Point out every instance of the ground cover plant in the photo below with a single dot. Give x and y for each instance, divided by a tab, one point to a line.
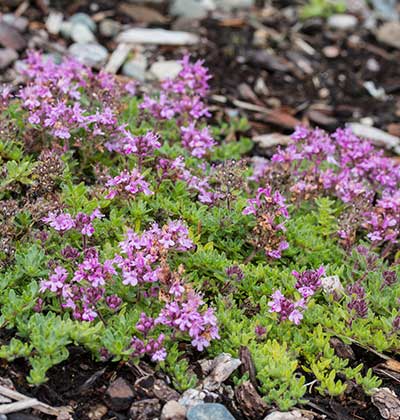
133	229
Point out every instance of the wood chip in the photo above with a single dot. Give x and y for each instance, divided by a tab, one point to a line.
387	403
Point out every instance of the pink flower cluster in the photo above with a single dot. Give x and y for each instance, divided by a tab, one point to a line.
269	209
128	144
185	314
349	168
143	253
53	93
308	282
63	222
177	169
127	182
182	98
85	289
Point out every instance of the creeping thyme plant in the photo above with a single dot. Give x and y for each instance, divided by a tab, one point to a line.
133	229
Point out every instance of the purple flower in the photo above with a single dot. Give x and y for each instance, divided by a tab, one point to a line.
56	281
61	222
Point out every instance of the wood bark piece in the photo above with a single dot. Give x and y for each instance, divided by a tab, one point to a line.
250	402
386	401
62	413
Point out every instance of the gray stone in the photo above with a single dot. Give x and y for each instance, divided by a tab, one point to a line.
83	19
291	415
162	70
81	34
136	68
18	22
10	37
389	34
265	141
66	29
7	56
224	366
91	54
332	284
145	409
386	8
172	410
109	28
192	9
342	22
157	36
54	22
234	4
208	411
117	58
119	395
192	397
377	136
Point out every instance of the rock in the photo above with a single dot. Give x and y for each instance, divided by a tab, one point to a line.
18	22
291	415
162	70
331	51
332	284
142	13
157	36
322	118
117	58
372	65
119	395
208	411
83	19
54	22
66	29
98	412
389	34
91	54
224	366
377	136
7	56
265	141
387	403
192	9
10	37
234	4
150	387
250	402
342	22
192	397
136	68
109	28
81	34
386	8
172	410
394	129
145	409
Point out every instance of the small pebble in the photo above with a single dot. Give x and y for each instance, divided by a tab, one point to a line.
83	19
109	28
136	68
81	34
342	22
7	56
91	54
162	70
208	411
54	22
331	51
